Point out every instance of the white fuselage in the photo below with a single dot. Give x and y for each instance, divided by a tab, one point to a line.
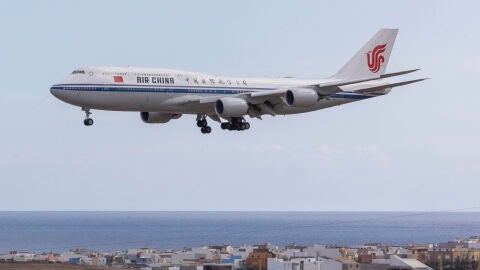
164	90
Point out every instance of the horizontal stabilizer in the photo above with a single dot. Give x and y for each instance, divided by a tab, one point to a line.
342	82
393	74
390	85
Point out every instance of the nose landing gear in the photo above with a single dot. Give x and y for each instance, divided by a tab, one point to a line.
88	121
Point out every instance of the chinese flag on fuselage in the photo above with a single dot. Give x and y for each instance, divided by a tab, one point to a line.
118	79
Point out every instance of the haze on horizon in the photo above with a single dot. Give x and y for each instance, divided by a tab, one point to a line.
416	149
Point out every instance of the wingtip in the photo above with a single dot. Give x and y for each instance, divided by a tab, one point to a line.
414	70
420	80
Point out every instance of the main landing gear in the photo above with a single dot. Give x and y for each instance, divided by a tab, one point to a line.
203	125
237	123
88	121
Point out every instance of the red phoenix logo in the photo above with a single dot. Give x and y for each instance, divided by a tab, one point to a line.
375	58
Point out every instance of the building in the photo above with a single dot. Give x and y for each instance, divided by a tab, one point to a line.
320	263
397	263
217	266
257	260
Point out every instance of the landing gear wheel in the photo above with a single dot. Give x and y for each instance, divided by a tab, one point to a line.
236	123
226	125
206	130
202	123
88	122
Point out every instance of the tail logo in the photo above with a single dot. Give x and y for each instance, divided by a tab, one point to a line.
375	58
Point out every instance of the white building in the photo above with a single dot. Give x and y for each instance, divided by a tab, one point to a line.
279	264
304	264
242	251
398	262
323	251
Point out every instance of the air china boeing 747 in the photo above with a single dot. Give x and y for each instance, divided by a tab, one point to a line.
163	94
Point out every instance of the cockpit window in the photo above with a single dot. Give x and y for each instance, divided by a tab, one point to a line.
78	72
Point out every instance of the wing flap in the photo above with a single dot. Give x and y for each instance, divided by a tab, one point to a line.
274	96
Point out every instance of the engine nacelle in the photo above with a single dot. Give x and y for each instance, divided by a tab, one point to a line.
231	107
156	117
301	97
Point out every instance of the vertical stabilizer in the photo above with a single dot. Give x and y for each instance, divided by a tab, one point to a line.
372	58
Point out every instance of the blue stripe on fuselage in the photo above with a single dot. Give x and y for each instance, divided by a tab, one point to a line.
179	89
165	86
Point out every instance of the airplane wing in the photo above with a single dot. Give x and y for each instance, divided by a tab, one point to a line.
251	97
275	96
265	101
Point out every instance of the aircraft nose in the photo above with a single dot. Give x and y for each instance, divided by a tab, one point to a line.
58	92
54	91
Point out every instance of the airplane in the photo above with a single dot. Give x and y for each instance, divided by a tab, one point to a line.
161	95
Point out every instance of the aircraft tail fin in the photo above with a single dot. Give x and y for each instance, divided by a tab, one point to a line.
372	58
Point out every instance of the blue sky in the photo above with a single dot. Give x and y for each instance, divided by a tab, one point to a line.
415	149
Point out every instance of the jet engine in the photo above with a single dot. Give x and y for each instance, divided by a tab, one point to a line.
231	107
156	117
301	97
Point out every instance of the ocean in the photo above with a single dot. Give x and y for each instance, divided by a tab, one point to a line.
117	231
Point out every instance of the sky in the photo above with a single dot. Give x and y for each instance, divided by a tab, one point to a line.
416	149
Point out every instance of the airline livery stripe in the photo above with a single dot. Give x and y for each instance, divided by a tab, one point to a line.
110	88
149	90
166	86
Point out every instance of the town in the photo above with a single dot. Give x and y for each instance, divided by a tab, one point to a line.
456	254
